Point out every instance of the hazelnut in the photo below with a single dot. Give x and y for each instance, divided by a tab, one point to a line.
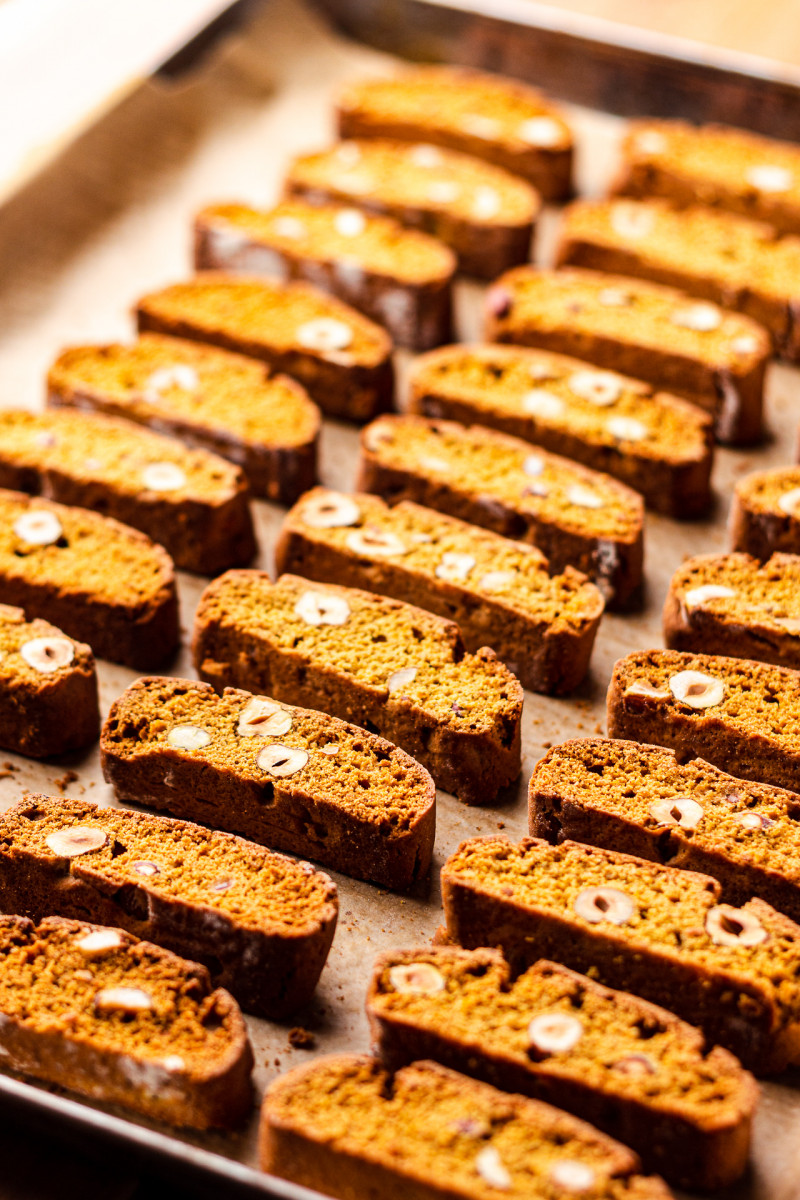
583	497
709	591
650	141
598	387
635	1065
331	749
640	688
350	222
99	942
496	581
399	679
375	543
324	334
454	566
627	429
146	868
728	926
541	403
173	1063
684	812
416	979
289	227
123	999
604	904
745	344
181	376
697	690
533	465
554	1033
489	1166
540	131
188	737
78	839
263	718
541	370
221	885
322	608
429	462
163	477
572	1176
498	301
480	126
38	527
702	318
754	820
424	155
766	177
443	191
613	297
789	502
281	760
486	203
329	511
48	654
631	220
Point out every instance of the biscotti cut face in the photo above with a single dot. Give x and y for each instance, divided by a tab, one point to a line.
48	688
741	264
339	356
657	444
711	356
575	516
260	922
345	1126
98	580
628	1067
209	398
642	800
500	120
738	714
121	1021
497	591
399	277
484	214
714	164
735	605
194	503
385	665
765	513
656	931
285	777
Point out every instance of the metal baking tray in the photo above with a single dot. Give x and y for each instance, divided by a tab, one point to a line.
84	262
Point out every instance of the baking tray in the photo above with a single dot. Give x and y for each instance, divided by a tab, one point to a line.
72	260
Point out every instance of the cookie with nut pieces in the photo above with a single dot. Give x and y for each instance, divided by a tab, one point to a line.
765	512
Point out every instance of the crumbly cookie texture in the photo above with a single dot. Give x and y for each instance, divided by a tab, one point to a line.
622	795
264	921
343	1123
657	444
709	355
390	666
210	398
497	590
577	517
286	777
122	1021
501	120
613	1059
765	512
656	931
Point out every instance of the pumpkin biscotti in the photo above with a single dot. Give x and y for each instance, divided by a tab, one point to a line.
345	1126
498	592
399	277
262	922
191	501
485	215
48	688
765	512
643	800
575	516
657	444
118	1020
340	357
630	1068
712	356
729	168
286	777
733	712
98	580
733	604
209	398
388	666
657	931
492	117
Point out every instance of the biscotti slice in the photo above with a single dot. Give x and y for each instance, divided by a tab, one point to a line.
500	120
194	503
98	580
733	604
765	513
388	666
484	214
285	777
741	264
497	591
657	444
630	1068
736	713
656	931
575	516
48	688
121	1021
712	356
260	922
643	800
399	277
341	358
714	164
209	398
343	1125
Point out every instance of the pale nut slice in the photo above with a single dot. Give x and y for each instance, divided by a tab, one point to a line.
572	1176
729	926
650	141
163	477
180	376
330	511
375	543
492	1170
598	904
789	502
48	654
683	811
481	126
627	429
321	608
614	297
416	979
702	318
425	155
486	203
753	820
399	679
533	465
635	1065
640	688
99	942
350	222
454	566
541	403
540	131
744	344
325	334
38	527
188	737
143	867
598	387
583	497
79	839
708	591
766	177
282	760
631	220
697	690
554	1033
443	191
129	1000
289	227
496	581
263	718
